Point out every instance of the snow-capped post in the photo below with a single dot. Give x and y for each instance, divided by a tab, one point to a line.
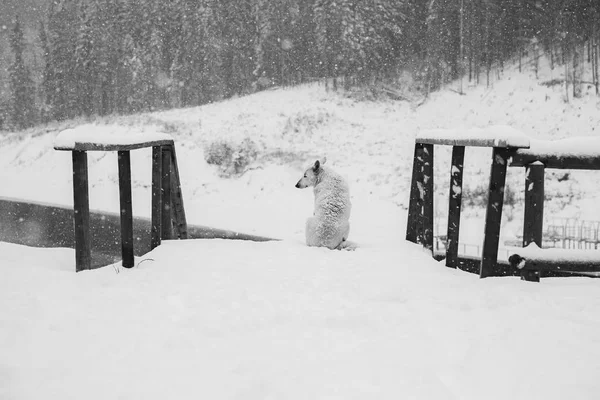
413	222
534	213
493	215
81	211
454	205
167	225
427	197
156	197
124	161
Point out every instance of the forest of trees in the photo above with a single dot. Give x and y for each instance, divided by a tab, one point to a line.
124	56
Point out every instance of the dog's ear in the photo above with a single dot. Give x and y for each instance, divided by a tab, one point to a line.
316	166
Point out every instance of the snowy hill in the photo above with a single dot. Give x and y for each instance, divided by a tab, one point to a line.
368	142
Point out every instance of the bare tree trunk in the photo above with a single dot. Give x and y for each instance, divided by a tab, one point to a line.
462	57
592	56
595	39
551	56
578	64
536	59
566	64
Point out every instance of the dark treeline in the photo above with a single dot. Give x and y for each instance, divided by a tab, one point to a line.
124	56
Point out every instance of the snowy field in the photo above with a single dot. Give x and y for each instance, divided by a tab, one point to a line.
240	320
221	319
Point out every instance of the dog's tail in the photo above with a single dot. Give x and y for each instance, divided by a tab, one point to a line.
347	245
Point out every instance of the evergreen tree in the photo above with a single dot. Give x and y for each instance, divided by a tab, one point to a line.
47	80
21	85
62	34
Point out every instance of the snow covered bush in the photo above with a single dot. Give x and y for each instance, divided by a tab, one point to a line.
305	122
231	159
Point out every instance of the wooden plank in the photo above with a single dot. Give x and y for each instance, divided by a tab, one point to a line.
156	196
177	198
81	211
522	159
534	213
126	208
536	259
167	220
472	142
489	136
493	215
91	146
454	205
427	203
414	207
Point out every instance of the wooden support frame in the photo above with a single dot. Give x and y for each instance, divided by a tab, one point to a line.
81	211
167	199
493	215
529	262
454	205
534	213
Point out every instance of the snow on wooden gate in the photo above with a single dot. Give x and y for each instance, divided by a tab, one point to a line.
167	202
510	148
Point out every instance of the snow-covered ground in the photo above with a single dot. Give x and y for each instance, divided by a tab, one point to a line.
222	319
227	319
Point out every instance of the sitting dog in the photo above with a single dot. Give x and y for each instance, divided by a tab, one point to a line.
329	226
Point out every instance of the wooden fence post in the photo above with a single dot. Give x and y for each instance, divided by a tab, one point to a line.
126	208
427	199
493	215
81	213
455	201
177	199
534	212
167	224
156	196
414	206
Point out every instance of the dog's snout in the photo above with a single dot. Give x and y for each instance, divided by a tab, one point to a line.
298	184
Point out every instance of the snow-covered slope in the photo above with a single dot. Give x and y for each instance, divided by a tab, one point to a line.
368	142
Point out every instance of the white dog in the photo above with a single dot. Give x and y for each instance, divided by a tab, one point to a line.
329	226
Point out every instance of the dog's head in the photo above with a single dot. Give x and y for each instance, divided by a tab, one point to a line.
310	175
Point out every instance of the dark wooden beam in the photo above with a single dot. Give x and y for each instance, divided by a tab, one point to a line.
523	158
156	196
414	206
568	261
177	198
126	208
81	212
90	146
167	220
428	215
493	215
454	207
533	225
